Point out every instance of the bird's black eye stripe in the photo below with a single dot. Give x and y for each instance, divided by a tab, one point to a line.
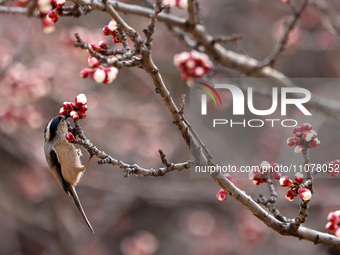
54	125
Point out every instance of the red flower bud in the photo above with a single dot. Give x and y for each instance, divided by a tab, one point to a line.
112	25
297	130
82	116
53	16
59	3
314	143
275	175
68	106
298	178
192	65
70	137
86	72
257	178
290	195
298	134
92	61
334	217
48	26
95	47
99	75
82	110
286	182
292	141
221	195
182	4
111	74
81	100
299	148
62	111
305	194
74	115
334	168
336	162
306	127
331	227
333	222
107	31
103	45
116	37
309	135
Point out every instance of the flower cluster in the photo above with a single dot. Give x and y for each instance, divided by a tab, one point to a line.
333	223
112	29
295	188
222	194
263	172
192	64
181	4
99	74
75	110
100	48
50	10
305	137
333	167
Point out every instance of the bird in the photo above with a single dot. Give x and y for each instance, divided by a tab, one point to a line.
64	160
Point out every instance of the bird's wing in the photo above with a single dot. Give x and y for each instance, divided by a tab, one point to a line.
68	188
56	171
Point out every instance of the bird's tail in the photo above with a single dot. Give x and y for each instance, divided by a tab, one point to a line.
80	208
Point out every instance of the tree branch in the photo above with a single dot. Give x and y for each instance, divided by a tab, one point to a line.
280	227
288	28
192	12
128	168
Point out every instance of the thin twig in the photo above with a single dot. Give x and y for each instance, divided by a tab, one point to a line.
288	28
272	208
308	170
122	58
163	158
192	12
228	38
303	213
158	8
183	104
301	218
